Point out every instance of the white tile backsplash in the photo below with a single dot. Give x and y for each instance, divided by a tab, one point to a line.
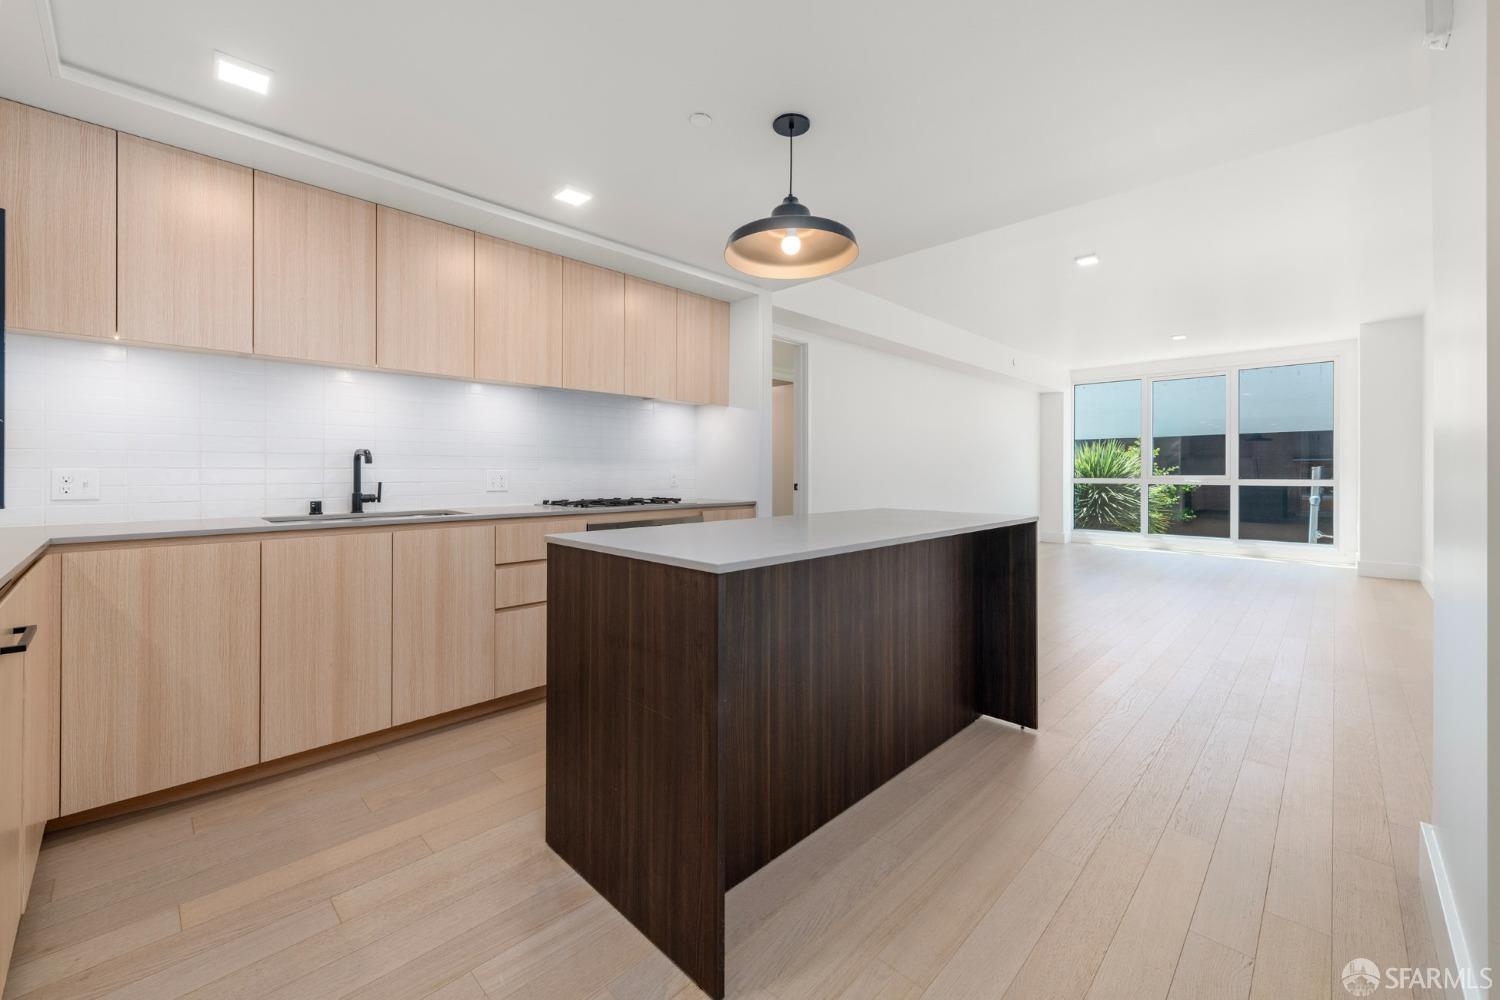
175	434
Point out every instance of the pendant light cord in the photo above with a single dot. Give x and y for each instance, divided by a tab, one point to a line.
790	151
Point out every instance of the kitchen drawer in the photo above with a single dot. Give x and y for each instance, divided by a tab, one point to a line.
520	583
520	649
524	539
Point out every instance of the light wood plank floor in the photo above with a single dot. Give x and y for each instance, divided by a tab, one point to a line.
1222	802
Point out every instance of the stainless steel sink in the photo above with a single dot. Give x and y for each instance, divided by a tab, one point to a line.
369	515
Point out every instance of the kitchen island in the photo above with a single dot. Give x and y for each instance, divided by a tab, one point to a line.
717	692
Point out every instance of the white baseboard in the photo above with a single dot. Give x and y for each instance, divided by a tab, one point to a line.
1051	536
1389	571
1442	914
1427	582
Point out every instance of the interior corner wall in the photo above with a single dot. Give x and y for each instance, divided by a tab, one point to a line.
1458	855
1051	526
889	431
1391	445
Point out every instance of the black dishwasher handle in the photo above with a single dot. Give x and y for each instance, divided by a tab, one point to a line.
26	633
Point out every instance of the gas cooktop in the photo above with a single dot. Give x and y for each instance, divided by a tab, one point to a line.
612	502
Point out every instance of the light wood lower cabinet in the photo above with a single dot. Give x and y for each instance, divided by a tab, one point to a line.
520	583
443	635
524	539
161	679
38	600
325	640
520	649
728	513
12	783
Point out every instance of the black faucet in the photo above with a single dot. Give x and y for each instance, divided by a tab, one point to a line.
360	497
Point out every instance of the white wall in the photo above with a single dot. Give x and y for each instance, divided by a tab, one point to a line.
176	434
1391	449
1056	443
1463	85
888	431
734	441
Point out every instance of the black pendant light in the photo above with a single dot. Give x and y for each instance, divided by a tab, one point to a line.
791	242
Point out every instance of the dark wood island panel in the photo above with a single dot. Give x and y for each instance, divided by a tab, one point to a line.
700	724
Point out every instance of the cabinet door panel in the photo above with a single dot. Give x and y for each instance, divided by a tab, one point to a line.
37	600
593	328
425	295
160	668
12	782
520	583
325	640
517	313
702	349
186	248
314	273
650	339
520	649
524	539
728	513
57	186
443	635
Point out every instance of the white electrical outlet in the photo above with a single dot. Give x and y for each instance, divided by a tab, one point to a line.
497	481
672	480
75	484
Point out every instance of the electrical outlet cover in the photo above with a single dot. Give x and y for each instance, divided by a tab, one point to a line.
75	484
497	481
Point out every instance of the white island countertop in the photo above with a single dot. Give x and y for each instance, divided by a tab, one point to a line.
731	546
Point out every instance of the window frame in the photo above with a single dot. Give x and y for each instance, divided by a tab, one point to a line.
1148	377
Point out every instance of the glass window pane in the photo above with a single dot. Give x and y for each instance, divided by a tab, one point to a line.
1286	422
1183	509
1107	430
1107	507
1188	423
1287	514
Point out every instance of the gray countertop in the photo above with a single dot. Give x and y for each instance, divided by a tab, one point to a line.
21	546
730	546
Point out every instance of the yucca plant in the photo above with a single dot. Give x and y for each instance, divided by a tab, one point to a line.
1118	505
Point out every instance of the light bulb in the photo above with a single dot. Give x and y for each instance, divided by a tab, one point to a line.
791	243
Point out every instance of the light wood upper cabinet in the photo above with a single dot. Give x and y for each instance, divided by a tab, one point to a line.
425	295
314	273
161	668
57	186
650	339
517	313
36	600
443	631
593	328
325	640
186	248
702	349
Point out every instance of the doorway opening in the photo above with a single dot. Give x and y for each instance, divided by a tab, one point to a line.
788	428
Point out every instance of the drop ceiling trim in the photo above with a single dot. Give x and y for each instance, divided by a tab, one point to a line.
604	251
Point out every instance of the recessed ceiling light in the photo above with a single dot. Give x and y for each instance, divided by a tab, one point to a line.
1179	336
700	119
570	195
241	74
1086	260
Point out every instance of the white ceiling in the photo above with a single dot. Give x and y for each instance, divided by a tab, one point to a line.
1299	245
931	121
